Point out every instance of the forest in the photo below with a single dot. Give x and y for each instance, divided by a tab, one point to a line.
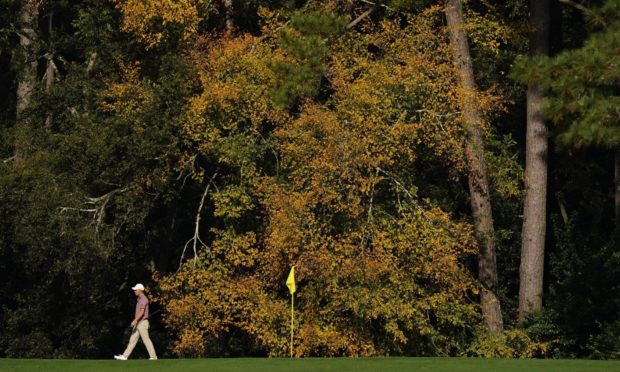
444	175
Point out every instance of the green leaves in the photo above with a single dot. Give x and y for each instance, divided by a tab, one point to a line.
317	23
305	44
582	84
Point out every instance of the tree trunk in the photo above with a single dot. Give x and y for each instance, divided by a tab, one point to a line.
478	180
534	209
230	24
28	17
50	72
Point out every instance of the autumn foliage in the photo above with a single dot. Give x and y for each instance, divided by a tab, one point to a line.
318	173
205	147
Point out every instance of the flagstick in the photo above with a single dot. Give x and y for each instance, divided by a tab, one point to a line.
290	283
292	320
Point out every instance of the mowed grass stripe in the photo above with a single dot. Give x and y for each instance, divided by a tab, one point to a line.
309	364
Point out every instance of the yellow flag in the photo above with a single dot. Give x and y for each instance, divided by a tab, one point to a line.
290	281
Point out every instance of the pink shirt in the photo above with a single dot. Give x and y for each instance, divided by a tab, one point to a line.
143	303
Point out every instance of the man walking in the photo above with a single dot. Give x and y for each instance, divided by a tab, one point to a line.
140	326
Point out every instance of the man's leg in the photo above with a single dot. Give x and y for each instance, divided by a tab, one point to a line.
133	340
143	328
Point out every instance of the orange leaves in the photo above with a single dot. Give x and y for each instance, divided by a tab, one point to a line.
325	158
327	341
379	271
403	88
208	304
238	250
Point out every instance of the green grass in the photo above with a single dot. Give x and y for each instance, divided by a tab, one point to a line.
313	364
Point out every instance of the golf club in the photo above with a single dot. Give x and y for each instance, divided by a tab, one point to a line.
150	315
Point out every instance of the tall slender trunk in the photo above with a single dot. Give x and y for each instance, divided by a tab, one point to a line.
50	72
230	24
478	179
28	17
534	209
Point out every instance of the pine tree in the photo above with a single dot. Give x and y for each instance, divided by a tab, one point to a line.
582	83
535	203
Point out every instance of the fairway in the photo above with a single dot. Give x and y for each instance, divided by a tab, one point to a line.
310	364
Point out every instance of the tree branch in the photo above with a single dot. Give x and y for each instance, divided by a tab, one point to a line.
196	238
91	62
360	18
98	207
438	117
397	182
352	24
376	4
8	159
576	5
372	194
87	210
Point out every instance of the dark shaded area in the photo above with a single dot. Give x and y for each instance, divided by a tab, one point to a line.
66	270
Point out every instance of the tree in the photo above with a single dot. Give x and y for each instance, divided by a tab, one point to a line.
535	203
581	101
381	270
477	172
28	19
90	209
581	84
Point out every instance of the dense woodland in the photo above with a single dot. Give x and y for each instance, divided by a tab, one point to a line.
443	175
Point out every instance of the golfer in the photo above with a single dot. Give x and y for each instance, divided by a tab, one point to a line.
140	326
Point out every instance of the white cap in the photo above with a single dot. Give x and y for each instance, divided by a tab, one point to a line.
138	286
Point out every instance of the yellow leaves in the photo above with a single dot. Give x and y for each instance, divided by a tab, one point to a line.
332	341
190	343
292	229
236	249
148	19
206	304
129	97
409	94
271	22
373	262
235	98
488	31
35	3
325	158
505	172
512	343
232	202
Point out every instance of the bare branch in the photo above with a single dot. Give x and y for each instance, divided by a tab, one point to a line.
352	24
372	194
9	159
376	4
87	210
438	117
91	62
360	18
196	238
191	160
184	170
105	197
98	207
397	182
576	5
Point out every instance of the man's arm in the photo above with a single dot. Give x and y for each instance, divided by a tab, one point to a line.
138	317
